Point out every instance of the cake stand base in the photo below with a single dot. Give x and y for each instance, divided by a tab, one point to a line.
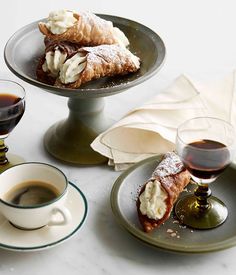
69	140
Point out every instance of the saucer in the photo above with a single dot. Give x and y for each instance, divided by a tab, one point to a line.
46	237
184	240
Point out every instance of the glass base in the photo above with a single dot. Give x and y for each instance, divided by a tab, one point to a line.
12	160
188	212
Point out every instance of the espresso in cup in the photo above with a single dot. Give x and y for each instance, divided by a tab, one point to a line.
33	195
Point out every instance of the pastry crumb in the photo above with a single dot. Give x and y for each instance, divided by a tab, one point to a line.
173	233
182	226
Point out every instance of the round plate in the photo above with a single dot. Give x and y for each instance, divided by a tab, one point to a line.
12	238
123	201
24	48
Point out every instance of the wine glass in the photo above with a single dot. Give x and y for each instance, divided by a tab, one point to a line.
206	146
12	107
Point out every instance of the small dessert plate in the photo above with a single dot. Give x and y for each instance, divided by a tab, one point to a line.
12	238
173	236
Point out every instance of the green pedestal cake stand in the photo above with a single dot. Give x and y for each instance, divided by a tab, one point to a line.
69	140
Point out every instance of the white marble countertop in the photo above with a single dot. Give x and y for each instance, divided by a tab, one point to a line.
201	42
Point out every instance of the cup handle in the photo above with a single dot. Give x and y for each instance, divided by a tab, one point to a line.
64	212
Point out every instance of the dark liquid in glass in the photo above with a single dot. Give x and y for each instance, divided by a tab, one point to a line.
10	114
206	159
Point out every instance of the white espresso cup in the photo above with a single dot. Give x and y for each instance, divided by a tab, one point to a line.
52	212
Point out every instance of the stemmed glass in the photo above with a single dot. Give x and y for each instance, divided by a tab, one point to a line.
206	147
12	107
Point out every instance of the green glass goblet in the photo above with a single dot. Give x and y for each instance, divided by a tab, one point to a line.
12	107
206	147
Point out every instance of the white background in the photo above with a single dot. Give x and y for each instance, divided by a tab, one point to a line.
200	38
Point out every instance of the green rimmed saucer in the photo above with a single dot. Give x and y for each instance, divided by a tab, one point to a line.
12	238
123	202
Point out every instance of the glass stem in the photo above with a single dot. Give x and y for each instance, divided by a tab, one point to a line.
202	193
3	151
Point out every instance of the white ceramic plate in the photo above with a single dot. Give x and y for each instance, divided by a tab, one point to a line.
15	239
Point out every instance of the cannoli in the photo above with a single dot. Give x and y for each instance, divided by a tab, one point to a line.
95	62
84	28
158	195
56	53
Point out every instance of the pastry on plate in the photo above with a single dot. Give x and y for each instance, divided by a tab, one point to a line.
158	195
84	28
56	53
91	63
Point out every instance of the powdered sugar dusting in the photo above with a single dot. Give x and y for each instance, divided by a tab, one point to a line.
170	165
113	54
91	19
101	30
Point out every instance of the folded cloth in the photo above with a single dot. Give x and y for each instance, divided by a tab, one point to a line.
151	129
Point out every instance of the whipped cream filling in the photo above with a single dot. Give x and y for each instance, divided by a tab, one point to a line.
53	61
71	69
152	200
59	21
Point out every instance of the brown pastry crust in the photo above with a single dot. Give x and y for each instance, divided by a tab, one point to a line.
88	30
173	182
64	46
104	60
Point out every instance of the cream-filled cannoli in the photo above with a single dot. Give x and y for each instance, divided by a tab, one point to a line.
158	195
84	28
91	63
56	53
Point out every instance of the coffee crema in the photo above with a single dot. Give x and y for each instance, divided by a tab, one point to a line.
31	193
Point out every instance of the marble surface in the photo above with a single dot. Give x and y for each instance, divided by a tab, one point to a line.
201	42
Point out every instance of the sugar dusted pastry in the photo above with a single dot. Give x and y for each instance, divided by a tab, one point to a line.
95	62
158	195
56	53
84	28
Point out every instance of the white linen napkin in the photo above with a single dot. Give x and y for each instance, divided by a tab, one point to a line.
151	129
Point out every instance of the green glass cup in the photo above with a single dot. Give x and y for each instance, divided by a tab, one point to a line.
12	107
